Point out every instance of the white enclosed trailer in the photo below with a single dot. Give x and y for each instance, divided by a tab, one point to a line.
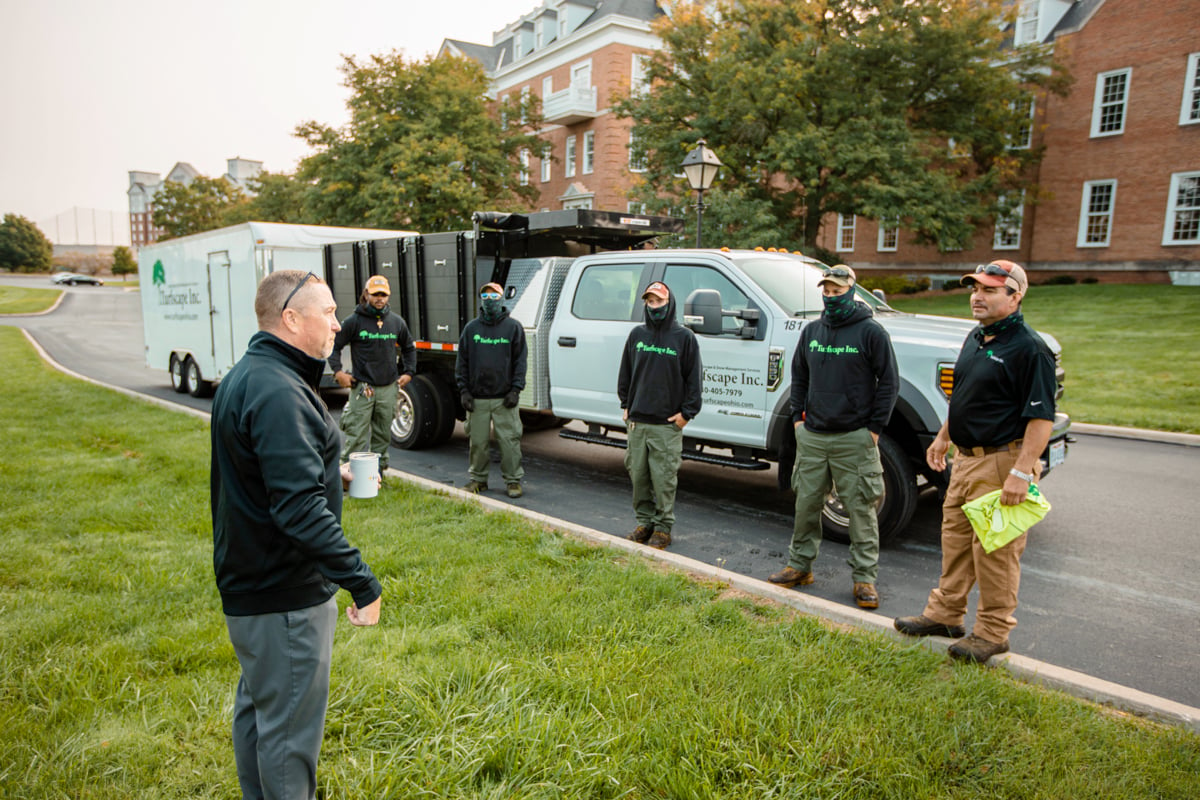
198	292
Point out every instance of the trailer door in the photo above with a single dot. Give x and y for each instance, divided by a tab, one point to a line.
220	316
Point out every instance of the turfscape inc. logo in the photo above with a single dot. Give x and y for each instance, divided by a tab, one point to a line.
174	298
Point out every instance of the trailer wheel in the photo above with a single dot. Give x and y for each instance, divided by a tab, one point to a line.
179	378
415	423
894	509
197	386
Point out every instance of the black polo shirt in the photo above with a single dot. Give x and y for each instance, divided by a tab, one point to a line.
999	386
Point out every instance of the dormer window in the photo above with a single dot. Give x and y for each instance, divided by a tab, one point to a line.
1027	22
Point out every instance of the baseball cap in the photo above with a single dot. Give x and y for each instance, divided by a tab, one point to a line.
839	274
378	283
999	273
657	289
491	287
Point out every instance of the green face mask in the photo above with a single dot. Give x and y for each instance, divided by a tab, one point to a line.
658	314
839	307
490	310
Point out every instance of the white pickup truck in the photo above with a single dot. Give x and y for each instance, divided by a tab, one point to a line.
747	308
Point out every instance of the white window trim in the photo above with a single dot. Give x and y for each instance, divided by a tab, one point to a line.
632	166
1081	236
1172	209
1191	89
1016	216
638	67
886	225
842	228
1099	96
1016	141
569	161
547	87
547	164
589	153
524	175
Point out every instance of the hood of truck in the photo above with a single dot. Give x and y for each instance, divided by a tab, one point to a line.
931	331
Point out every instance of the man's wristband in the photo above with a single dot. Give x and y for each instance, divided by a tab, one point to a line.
1025	476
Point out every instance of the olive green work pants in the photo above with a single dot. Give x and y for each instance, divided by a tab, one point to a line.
652	459
488	414
367	420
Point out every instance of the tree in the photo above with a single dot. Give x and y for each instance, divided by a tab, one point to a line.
23	247
275	197
123	263
422	149
181	209
890	109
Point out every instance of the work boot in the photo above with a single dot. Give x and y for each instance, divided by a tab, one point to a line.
922	625
640	534
972	648
660	540
865	595
788	577
514	489
475	487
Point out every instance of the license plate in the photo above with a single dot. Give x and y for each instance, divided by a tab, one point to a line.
1058	452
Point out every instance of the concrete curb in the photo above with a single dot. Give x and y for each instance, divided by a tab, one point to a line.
1021	667
1141	434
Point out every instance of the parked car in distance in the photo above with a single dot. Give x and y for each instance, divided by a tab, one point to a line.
74	279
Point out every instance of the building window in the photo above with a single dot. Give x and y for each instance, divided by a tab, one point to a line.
637	156
524	177
1096	213
547	87
845	233
1022	138
541	34
1027	23
1189	114
889	235
546	164
638	81
1108	110
1008	222
1183	210
525	105
634	207
589	152
570	159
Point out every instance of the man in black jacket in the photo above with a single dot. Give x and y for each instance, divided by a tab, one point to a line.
279	551
844	387
383	360
659	386
490	374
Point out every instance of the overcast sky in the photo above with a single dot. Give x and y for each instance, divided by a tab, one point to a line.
91	90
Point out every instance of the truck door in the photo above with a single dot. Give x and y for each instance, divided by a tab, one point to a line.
220	304
735	368
587	337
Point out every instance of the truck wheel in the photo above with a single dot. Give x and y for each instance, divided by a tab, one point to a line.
416	419
533	421
445	403
179	379
197	386
895	508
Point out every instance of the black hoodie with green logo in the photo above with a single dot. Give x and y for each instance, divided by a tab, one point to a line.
661	373
844	374
492	357
381	348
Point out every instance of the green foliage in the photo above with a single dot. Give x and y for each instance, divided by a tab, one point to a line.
181	209
123	263
276	198
23	247
841	106
509	660
422	150
896	284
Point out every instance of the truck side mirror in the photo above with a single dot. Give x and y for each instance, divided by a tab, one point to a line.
702	311
880	294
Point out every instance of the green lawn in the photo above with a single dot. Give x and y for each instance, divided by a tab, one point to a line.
1130	351
24	300
510	662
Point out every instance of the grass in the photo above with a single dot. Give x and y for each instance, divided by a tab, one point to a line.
23	300
510	662
1129	350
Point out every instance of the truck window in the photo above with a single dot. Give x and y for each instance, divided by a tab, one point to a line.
607	291
683	279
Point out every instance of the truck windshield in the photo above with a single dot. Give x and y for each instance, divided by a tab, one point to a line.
791	281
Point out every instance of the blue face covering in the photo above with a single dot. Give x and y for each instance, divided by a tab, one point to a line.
839	307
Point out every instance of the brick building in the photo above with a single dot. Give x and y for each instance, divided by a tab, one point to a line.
144	186
1118	187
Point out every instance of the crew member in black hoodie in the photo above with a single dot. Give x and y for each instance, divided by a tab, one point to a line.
490	373
659	386
383	359
844	387
279	551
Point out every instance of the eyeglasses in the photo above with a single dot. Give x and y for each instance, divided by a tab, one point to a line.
993	269
836	272
299	286
489	296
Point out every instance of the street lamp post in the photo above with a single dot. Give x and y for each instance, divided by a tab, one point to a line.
700	166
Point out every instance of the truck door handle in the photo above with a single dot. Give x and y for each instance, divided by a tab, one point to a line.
566	341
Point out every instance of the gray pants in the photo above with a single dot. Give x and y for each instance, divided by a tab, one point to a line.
491	413
652	459
279	710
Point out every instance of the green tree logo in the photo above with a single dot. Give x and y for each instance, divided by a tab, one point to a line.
159	276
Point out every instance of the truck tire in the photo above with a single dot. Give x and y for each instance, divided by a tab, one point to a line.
179	378
415	424
197	386
445	403
533	421
895	508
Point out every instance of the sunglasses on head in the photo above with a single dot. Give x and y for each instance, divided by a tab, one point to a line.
836	272
993	269
489	295
299	286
